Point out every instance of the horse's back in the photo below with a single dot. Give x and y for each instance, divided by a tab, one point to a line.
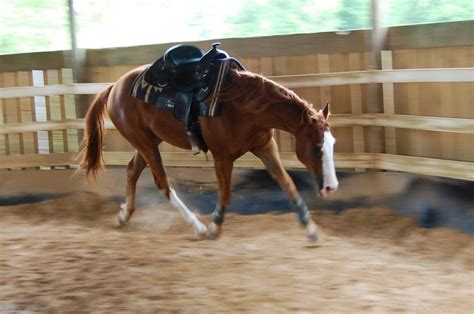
123	84
120	105
132	116
120	94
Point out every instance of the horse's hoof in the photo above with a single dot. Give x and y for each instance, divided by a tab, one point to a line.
123	217
215	231
313	232
202	232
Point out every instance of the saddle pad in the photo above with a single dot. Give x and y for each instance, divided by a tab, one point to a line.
165	98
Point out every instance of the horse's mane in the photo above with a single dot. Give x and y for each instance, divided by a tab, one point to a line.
255	93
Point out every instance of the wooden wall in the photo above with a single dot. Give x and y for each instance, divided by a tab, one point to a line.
270	56
451	100
344	99
43	108
419	46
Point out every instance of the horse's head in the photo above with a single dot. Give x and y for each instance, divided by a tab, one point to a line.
315	147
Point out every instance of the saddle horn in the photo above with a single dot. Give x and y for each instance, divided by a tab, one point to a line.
213	53
205	64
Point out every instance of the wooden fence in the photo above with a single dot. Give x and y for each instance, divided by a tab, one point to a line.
414	115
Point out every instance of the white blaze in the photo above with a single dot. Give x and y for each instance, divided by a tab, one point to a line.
329	170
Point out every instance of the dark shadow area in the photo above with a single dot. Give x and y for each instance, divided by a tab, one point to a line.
29	198
438	203
433	202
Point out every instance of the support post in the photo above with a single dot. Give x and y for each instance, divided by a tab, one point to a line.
76	59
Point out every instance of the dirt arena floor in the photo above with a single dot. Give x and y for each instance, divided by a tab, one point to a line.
69	255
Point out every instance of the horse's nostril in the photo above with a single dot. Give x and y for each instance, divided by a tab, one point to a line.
328	189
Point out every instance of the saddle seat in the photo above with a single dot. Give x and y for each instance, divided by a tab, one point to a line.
180	55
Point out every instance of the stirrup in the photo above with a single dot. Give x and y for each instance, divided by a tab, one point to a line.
194	146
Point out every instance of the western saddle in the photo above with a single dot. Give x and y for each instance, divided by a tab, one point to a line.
186	77
184	67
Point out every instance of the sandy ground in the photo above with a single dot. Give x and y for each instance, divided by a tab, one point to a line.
69	254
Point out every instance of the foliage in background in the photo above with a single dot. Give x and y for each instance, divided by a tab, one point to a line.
41	25
33	25
403	12
273	17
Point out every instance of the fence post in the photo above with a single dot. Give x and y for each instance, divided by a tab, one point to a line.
70	112
28	114
388	104
323	63
356	108
11	114
3	138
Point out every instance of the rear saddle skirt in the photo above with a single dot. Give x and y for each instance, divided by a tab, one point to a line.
186	82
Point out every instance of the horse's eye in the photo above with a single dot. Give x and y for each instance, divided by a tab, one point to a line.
317	150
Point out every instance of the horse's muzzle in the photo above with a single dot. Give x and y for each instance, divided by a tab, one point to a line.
324	192
325	188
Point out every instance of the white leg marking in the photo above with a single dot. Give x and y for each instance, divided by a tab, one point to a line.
313	232
329	170
190	217
124	214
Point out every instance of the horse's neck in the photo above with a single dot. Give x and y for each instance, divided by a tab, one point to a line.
284	116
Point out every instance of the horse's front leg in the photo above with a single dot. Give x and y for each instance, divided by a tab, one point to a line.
268	153
223	168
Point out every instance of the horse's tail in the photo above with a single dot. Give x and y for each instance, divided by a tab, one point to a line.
92	159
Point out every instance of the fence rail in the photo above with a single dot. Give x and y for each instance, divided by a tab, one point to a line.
440	124
420	165
290	81
377	76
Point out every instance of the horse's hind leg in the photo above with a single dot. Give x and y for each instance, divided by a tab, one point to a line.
223	168
152	156
268	153
134	170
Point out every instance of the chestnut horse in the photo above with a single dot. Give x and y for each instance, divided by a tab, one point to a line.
251	106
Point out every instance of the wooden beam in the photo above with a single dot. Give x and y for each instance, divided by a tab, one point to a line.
455	125
377	76
76	57
61	89
379	35
37	160
388	104
253	47
291	81
358	139
12	114
420	165
47	126
428	166
32	61
440	124
443	34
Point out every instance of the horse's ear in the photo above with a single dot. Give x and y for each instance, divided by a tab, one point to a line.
326	111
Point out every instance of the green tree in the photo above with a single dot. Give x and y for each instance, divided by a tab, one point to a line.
281	17
31	25
354	14
401	12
